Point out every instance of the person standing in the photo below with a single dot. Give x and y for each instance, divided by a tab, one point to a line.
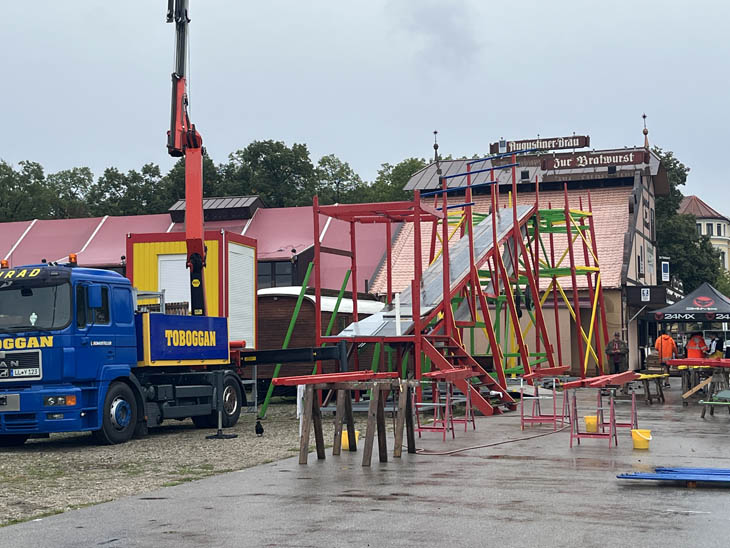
696	346
715	346
667	349
617	350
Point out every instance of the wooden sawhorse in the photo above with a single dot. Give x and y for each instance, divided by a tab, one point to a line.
379	384
657	379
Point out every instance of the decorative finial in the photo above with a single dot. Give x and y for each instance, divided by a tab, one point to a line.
436	152
646	133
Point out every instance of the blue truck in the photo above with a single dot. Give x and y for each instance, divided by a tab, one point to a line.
75	355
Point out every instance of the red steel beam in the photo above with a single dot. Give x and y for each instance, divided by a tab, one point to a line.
416	293
389	261
576	302
555	296
352	376
591	292
353	268
445	267
594	245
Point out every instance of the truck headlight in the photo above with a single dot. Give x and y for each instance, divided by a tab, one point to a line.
50	401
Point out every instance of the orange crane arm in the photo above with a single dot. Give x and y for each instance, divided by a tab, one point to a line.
184	140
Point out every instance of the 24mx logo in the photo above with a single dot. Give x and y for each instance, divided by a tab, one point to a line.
718	316
677	316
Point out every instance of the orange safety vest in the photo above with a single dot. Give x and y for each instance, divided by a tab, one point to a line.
696	347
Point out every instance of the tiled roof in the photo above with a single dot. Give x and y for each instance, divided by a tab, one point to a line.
611	219
692	205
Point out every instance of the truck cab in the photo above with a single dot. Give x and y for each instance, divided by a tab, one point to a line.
65	334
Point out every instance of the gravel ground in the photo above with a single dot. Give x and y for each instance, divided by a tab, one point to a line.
66	471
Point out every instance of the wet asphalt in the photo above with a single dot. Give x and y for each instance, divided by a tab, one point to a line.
533	492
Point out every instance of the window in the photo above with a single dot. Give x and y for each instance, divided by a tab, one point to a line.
283	274
101	315
122	305
653	232
84	315
275	274
699	229
640	262
709	229
80	306
719	229
34	304
264	275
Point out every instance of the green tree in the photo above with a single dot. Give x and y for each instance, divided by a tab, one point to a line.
131	193
25	192
280	175
388	185
693	258
337	182
68	192
172	186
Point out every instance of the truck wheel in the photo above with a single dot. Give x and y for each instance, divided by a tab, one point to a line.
232	402
13	440
119	415
233	399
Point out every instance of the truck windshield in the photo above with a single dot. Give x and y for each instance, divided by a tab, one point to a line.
34	305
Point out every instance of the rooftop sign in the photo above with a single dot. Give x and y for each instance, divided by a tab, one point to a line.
595	159
551	143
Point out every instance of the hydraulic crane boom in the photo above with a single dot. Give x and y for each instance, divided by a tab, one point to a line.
184	140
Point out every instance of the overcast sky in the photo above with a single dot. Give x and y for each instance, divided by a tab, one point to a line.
87	82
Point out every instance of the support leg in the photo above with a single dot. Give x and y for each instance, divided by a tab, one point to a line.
370	432
339	412
400	422
318	434
380	417
306	424
660	390
350	421
410	434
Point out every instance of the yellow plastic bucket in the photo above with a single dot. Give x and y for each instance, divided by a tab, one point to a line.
591	423
641	438
346	439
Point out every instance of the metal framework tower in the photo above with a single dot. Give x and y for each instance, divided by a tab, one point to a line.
476	277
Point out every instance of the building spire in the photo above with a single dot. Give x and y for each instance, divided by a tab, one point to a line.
436	153
646	133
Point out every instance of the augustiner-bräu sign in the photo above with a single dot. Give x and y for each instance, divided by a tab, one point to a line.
550	143
595	159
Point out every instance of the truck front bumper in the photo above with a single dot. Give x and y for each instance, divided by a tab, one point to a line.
28	411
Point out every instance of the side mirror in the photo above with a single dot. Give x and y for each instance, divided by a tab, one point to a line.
94	295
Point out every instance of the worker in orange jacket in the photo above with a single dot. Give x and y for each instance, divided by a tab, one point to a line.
667	349
696	346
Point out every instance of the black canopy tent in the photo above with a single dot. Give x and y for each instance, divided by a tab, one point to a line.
704	304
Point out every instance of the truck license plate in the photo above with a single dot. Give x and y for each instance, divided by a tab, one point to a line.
26	372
